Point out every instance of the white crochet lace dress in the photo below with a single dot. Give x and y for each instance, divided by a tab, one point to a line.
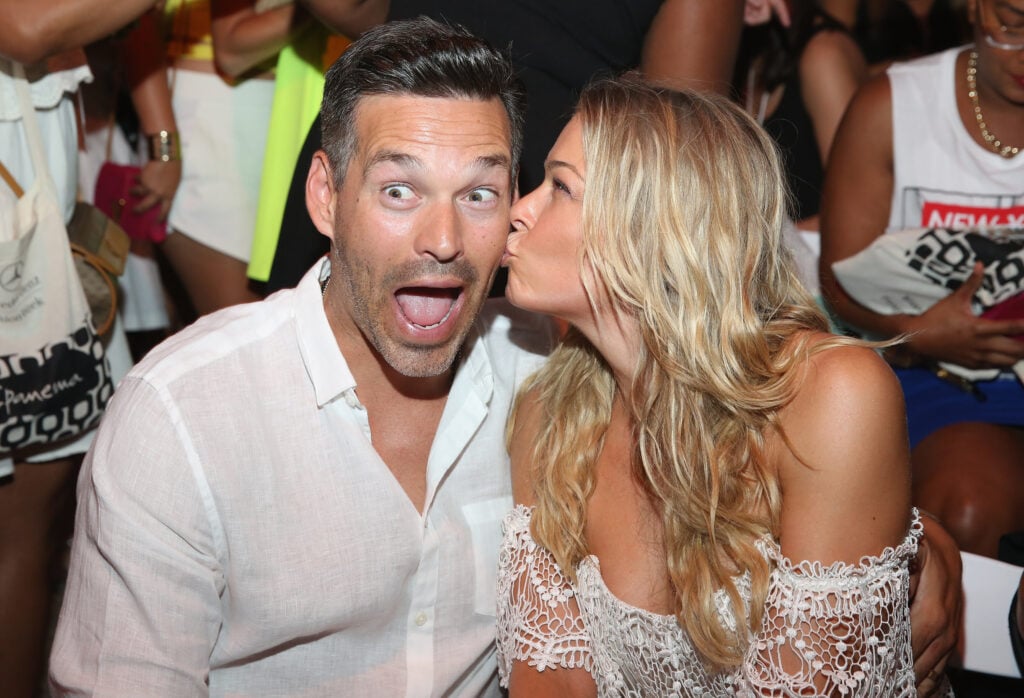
848	624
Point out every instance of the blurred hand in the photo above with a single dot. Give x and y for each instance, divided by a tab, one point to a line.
949	331
1020	610
157	184
936	601
760	12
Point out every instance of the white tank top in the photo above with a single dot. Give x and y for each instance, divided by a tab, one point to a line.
942	177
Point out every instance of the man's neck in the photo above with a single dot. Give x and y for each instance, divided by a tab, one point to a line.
403	411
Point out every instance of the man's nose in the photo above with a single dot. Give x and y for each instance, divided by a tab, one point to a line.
440	234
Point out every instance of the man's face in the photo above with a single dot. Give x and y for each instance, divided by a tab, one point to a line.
420	221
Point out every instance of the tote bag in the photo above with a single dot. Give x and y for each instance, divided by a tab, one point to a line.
907	271
54	376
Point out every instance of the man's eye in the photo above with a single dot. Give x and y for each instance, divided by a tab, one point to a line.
399	192
482	195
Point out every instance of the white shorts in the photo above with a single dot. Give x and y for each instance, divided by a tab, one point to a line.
223	135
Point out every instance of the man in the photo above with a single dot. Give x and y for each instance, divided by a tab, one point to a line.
304	497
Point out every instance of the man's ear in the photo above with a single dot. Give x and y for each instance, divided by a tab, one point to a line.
321	196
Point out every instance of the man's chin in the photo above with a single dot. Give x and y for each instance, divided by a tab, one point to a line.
414	361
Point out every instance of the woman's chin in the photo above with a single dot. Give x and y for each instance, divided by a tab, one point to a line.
515	295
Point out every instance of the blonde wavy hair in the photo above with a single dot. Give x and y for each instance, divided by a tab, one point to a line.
683	214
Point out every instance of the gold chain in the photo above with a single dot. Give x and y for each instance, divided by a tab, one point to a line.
1007	151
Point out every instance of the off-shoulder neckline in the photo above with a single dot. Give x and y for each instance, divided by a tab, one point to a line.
810	569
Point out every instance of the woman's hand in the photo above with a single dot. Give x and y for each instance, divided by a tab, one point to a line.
757	12
157	184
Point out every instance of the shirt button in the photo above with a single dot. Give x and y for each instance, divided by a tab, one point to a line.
421	619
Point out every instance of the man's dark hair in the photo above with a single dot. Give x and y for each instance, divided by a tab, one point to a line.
419	57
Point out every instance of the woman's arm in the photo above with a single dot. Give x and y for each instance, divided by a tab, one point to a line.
838	596
31	30
856	198
522	616
846	482
831	69
526	682
693	44
146	72
349	17
243	38
855	210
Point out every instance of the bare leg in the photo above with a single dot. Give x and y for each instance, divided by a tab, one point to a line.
33	514
971	475
212	279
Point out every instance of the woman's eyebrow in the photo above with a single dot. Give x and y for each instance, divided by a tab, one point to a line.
554	164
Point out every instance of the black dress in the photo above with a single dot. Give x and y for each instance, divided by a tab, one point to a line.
790	126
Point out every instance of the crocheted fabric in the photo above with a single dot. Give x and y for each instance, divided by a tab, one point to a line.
837	630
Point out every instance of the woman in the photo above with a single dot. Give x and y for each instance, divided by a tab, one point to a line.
221	54
799	80
935	142
37	484
712	479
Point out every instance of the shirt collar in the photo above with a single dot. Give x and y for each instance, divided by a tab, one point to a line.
326	367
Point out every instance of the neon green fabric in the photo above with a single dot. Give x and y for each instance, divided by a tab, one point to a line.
297	93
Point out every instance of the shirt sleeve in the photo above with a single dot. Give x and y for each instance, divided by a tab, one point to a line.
539	621
836	630
141	610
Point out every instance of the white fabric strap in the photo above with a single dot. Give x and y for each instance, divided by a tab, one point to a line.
32	133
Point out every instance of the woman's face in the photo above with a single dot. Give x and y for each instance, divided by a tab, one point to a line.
999	24
542	253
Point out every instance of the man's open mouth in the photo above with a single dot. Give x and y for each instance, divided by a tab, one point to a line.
427	307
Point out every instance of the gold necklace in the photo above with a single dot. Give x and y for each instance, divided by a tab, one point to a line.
1007	151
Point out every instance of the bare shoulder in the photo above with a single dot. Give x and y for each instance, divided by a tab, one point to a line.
845	472
828	51
524	430
847	393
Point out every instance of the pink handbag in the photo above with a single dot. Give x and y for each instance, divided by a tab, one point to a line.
114	197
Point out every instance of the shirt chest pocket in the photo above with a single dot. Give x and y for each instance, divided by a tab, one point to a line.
484	520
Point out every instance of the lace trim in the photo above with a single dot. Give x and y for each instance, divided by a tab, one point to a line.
538	615
889	558
839	629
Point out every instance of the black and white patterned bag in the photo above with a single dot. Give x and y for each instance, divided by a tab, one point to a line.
54	376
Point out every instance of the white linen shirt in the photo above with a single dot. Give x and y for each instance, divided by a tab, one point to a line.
237	533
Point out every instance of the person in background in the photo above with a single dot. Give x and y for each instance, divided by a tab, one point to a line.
37	488
219	59
899	30
798	81
935	142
